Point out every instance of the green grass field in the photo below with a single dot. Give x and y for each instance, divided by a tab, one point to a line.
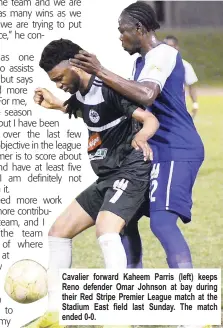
205	233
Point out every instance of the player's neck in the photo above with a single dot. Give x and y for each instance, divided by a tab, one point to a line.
149	42
85	83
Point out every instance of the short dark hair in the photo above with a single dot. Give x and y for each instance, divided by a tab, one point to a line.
142	12
57	51
173	38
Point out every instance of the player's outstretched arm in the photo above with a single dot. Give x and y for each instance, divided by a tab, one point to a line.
46	99
143	93
150	126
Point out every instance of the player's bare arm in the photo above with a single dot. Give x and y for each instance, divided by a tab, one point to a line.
46	99
150	126
193	94
144	93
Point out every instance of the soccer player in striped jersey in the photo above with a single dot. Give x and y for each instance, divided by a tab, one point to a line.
118	129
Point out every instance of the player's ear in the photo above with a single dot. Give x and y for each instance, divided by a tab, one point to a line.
139	26
75	69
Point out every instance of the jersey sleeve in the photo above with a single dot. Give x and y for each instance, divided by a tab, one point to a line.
159	64
190	75
119	103
72	107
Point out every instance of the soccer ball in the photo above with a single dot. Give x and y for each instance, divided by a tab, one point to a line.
26	281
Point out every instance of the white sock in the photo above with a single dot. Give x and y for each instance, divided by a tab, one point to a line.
113	251
60	257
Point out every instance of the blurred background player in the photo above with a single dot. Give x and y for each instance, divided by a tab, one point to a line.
190	75
119	193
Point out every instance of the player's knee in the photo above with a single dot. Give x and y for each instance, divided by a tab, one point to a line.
61	231
64	231
101	229
54	232
156	228
163	222
108	222
155	225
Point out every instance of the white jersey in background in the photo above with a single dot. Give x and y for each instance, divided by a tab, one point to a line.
190	75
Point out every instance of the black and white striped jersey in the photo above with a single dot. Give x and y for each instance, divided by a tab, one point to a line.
111	128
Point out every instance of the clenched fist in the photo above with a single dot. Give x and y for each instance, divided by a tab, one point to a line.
45	98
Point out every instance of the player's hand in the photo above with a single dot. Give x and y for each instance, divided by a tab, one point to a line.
195	108
86	61
194	113
139	142
46	99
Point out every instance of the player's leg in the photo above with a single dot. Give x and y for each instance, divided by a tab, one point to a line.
131	239
80	215
164	226
122	202
108	228
70	223
77	217
132	244
170	198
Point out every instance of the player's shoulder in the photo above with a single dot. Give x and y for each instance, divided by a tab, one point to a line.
93	95
186	64
107	92
162	58
162	50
